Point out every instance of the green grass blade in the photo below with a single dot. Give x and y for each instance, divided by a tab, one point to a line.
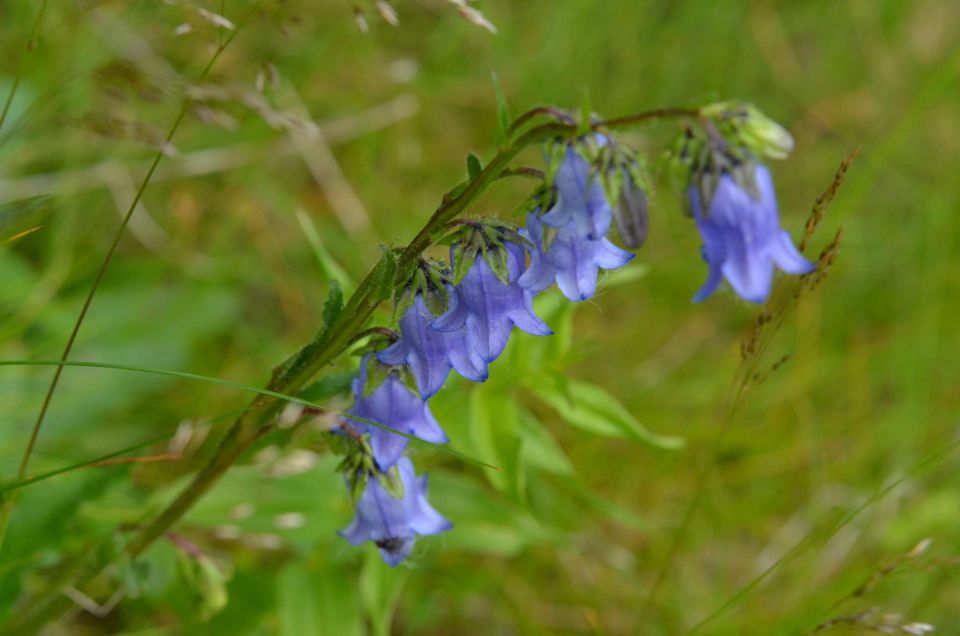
810	538
243	387
20	483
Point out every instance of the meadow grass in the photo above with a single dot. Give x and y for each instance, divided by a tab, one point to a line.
840	461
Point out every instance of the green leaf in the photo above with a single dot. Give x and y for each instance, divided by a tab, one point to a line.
474	167
391	482
503	112
625	275
485	522
591	408
206	581
536	356
318	601
297	611
494	432
540	449
497	260
333	305
330	267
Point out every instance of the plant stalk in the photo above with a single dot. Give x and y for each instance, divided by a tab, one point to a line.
258	419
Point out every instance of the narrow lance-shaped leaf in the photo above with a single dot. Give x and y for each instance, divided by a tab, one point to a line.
592	408
474	167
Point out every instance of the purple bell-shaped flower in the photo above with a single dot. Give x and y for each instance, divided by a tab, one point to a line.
392	404
393	523
431	353
489	308
581	204
742	237
571	260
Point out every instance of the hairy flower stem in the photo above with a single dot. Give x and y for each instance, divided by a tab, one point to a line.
256	422
290	377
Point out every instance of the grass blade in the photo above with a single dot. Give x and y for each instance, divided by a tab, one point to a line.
242	387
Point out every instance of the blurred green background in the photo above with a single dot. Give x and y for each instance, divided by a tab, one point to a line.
224	270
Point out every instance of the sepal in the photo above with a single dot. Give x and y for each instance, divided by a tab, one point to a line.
484	238
390	481
429	279
699	159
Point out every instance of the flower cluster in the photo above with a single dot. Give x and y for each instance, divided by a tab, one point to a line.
460	315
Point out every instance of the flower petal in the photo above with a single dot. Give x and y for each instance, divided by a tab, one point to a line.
426	427
427	520
787	257
750	274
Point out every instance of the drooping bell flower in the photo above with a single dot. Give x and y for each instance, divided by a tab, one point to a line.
431	353
571	260
393	523
391	404
489	306
742	237
581	204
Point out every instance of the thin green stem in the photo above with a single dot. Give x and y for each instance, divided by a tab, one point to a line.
90	462
629	121
541	111
8	505
276	395
784	298
10	96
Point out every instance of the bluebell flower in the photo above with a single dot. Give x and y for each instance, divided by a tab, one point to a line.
571	260
742	238
392	404
394	523
488	308
431	353
581	204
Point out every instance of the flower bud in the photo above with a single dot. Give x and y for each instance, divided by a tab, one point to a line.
749	127
631	213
